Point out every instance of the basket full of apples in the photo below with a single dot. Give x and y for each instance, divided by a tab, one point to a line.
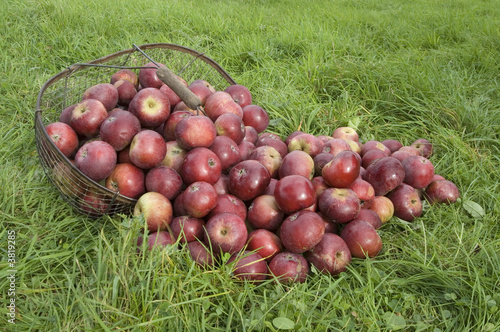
163	132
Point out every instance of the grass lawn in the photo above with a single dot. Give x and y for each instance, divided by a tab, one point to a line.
392	68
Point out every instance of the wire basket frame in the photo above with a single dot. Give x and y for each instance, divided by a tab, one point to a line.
67	87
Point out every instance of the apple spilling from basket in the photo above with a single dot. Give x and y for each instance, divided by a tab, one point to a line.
217	182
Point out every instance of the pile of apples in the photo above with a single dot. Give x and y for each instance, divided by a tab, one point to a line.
214	180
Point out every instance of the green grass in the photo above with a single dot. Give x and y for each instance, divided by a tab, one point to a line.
403	69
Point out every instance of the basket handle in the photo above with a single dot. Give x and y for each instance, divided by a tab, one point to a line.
187	96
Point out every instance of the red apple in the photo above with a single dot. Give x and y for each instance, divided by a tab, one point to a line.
119	128
335	145
148	77
410	149
382	206
201	164
346	133
269	157
240	94
195	131
264	213
373	144
292	135
226	233
294	193
307	143
231	125
173	98
246	148
441	191
331	255
251	135
221	186
147	149
406	201
265	243
96	159
106	93
94	204
248	266
370	217
156	210
127	75
255	116
65	115
200	254
319	185
199	198
363	189
87	116
126	92
248	179
201	89
227	203
297	163
362	239
63	136
320	161
342	170
301	231
187	229
289	267
339	205
157	240
423	146
372	155
151	107
392	144
127	179
219	103
419	171
272	140
164	180
171	123
227	151
174	156
385	174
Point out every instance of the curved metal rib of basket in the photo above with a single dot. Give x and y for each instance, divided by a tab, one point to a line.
66	88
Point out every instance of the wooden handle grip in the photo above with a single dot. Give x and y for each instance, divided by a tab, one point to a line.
169	78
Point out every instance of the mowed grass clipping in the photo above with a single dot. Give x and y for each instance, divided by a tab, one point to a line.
392	69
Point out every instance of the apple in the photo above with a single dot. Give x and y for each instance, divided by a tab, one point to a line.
301	231
148	77
221	186
362	239
264	213
330	227
406	201
372	155
240	94
126	92
342	170
127	75
174	157
94	204
251	134
164	180
248	266
410	149
219	103
392	144
331	255
269	157
182	107
200	254
423	146
226	233
382	206
339	205
64	137
147	149
157	240
202	89
374	144
171	123
156	210
173	98
199	198
294	193
106	93
126	179
248	179
272	140
65	115
297	162
320	161
87	116
227	151
370	217
441	191
246	148
401	155
201	164
307	143
292	135
319	185
354	145
195	131
151	107
255	116
385	174
96	159
227	203
346	133
230	125
363	189
119	128
271	187
265	243
335	145
289	267
124	155
187	229
419	171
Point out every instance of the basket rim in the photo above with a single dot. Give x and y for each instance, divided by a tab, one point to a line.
39	125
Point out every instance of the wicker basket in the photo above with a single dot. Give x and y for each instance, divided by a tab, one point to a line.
67	87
